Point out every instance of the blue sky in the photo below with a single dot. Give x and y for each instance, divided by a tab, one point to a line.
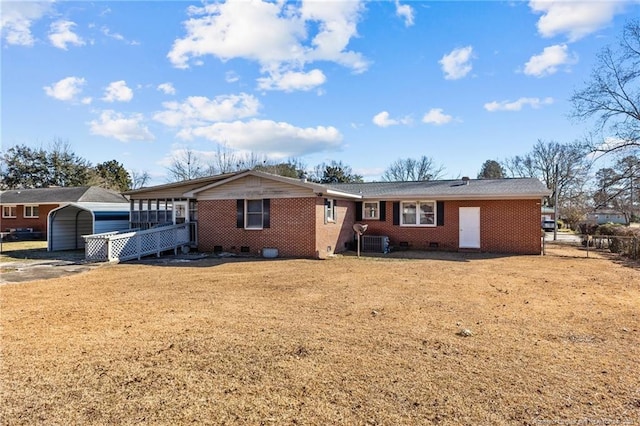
364	83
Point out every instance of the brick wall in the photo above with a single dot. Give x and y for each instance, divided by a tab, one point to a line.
332	237
298	228
506	226
292	223
38	224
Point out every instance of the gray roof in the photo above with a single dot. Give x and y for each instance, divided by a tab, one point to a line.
449	189
190	183
511	188
78	194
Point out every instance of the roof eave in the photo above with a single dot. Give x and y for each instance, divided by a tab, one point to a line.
454	197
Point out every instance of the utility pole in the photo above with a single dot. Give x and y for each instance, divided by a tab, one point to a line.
555	205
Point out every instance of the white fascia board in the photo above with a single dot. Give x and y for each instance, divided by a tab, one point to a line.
391	197
342	194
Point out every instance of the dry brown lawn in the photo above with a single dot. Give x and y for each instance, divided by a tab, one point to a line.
555	340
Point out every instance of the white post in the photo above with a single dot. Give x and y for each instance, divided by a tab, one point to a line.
358	234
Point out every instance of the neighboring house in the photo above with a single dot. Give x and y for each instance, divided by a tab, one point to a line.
30	208
602	216
249	211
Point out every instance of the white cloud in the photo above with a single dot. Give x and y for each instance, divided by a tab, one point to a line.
167	88
517	105
456	64
61	34
115	125
231	77
117	36
118	91
291	80
273	34
406	12
16	20
576	19
200	110
382	119
279	139
437	117
66	89
549	60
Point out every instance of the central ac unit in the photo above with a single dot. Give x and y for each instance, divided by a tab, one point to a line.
375	243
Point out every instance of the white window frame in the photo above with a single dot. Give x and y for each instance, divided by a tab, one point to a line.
246	215
417	213
330	210
365	215
11	208
31	215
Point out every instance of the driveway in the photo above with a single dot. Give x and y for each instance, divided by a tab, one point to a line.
23	262
562	237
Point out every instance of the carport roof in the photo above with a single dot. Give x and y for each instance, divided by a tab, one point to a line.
80	194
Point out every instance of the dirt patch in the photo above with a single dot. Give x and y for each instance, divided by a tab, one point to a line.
551	340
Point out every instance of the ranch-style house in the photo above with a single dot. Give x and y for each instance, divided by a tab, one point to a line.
248	211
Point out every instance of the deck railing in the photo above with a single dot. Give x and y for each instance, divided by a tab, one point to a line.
133	244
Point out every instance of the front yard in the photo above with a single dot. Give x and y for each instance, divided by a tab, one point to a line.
554	340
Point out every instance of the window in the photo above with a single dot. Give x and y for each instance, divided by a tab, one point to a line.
418	213
253	216
31	211
329	210
9	211
370	210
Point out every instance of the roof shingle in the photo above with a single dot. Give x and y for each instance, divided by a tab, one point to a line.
79	194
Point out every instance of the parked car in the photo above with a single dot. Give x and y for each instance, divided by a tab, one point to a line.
548	225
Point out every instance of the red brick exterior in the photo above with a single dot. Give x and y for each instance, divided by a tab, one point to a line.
298	228
506	226
332	237
39	224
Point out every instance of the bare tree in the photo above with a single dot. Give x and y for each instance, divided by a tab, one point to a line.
571	161
410	169
613	93
619	187
139	179
185	166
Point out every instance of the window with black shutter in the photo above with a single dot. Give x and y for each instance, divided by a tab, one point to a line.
253	214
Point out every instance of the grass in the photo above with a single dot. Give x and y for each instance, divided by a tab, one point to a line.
20	250
555	340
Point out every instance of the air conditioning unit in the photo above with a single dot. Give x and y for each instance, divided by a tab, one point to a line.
375	243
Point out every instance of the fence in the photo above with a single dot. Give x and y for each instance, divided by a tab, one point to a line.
127	245
590	245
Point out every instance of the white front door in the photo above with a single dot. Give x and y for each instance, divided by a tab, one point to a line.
180	212
469	227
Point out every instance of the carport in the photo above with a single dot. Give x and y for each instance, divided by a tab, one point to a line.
68	223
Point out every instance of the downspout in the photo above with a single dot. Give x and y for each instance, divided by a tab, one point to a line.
75	237
51	218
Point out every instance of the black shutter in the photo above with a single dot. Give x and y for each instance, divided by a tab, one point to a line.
326	209
396	212
239	213
358	210
440	213
266	213
383	211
